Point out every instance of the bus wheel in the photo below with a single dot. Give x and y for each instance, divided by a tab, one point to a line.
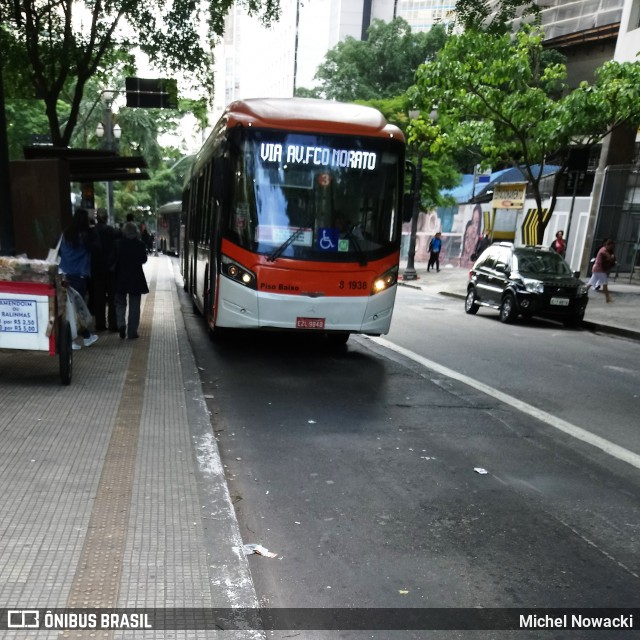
216	333
338	339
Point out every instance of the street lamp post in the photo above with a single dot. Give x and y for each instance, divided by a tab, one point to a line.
410	271
110	132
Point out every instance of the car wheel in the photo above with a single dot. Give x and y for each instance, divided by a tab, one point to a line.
574	321
470	305
508	311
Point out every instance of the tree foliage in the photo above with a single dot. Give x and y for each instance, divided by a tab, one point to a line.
439	169
428	143
25	118
55	46
381	66
494	17
496	92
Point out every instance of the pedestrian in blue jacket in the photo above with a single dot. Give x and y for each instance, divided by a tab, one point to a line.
434	252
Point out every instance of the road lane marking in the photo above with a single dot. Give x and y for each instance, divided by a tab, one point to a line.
557	423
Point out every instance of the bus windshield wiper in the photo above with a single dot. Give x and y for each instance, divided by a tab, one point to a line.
278	251
362	261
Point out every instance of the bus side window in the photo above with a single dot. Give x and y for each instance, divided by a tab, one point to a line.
219	180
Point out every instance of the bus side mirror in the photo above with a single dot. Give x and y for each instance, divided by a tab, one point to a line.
408	202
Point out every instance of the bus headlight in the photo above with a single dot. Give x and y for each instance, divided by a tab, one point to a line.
238	273
386	280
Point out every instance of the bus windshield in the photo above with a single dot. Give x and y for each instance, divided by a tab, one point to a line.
315	197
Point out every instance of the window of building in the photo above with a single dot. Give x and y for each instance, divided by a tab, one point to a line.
634	16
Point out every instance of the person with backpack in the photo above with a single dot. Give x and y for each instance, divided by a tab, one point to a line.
434	252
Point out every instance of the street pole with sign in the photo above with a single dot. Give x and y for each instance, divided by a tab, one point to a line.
111	133
410	271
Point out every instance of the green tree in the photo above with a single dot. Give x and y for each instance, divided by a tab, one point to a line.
381	66
494	17
495	93
166	182
56	46
428	146
25	118
426	149
303	92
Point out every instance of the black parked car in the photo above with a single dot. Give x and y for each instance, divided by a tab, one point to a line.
527	281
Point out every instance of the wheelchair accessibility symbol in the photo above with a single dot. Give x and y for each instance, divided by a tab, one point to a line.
328	239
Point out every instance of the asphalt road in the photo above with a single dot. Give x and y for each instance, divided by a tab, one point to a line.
591	380
364	470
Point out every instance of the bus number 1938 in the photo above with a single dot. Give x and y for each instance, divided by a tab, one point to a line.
354	285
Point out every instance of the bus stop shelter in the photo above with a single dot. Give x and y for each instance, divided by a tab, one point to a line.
41	189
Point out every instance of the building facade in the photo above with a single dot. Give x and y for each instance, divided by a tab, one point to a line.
257	61
615	205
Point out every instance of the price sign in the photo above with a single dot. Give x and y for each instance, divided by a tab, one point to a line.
18	315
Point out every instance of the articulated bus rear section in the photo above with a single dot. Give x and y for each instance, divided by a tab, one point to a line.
293	219
168	221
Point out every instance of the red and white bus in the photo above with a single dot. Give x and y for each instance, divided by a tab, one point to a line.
293	218
168	223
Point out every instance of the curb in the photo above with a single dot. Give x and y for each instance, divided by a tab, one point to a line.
620	332
452	294
411	286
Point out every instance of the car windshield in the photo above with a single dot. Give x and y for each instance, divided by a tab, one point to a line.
316	197
541	262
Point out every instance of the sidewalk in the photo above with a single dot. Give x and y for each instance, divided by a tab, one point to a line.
621	317
105	503
114	494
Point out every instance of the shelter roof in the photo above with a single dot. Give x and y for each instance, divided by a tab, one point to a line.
465	192
92	165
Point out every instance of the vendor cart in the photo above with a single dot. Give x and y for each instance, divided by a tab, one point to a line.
33	311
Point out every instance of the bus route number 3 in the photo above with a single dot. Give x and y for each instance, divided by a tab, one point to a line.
353	285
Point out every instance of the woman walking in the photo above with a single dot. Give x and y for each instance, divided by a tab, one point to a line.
129	281
605	261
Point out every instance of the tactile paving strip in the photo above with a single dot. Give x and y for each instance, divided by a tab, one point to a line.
97	579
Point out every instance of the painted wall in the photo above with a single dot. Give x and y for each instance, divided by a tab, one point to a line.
467	224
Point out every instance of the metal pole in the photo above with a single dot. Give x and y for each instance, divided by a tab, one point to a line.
576	175
7	239
410	272
108	125
295	49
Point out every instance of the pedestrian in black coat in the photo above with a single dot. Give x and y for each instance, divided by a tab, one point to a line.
102	300
129	280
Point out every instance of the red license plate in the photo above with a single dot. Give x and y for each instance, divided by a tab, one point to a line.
309	323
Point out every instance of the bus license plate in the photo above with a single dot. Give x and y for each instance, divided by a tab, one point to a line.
560	302
309	323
